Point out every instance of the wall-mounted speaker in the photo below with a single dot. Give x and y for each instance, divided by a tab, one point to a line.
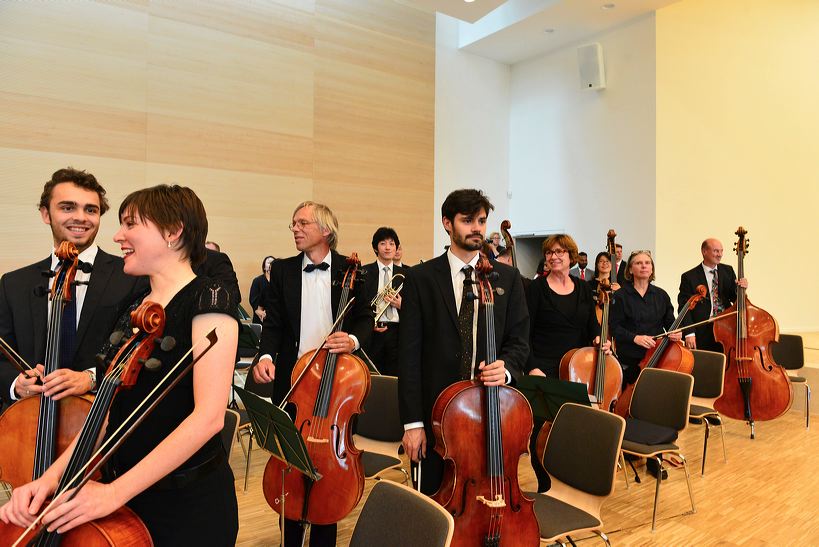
590	63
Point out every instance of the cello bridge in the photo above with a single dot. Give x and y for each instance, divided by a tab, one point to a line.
497	503
311	439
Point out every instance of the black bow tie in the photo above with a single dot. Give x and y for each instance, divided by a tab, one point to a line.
322	266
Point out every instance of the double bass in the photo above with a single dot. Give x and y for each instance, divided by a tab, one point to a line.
756	387
667	354
328	391
122	528
510	242
480	479
40	428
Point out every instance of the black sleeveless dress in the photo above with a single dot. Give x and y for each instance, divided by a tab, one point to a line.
196	504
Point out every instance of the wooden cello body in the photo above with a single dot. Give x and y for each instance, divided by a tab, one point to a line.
328	391
122	528
481	432
40	428
756	387
324	421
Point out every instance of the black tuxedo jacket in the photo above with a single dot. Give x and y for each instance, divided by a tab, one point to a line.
24	314
373	277
621	273
429	342
282	324
727	286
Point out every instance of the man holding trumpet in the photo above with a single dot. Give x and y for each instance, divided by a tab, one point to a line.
381	286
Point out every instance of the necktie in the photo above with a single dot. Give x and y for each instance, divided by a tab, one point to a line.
68	331
583	274
389	315
466	317
716	305
323	266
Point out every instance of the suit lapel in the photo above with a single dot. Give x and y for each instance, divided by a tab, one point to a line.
443	278
292	298
97	284
39	310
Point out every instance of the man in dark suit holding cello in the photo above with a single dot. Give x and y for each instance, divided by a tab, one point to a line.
72	203
436	347
722	293
300	305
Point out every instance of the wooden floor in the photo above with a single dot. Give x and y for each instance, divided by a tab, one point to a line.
765	494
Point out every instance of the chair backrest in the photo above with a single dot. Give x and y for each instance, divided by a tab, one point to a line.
229	430
789	351
662	397
380	420
249	336
583	447
399	516
708	373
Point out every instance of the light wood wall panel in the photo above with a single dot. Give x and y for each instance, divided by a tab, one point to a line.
255	104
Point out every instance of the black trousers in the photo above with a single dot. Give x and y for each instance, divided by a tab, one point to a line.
384	350
321	535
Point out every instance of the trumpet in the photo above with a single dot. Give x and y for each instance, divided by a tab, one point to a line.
379	304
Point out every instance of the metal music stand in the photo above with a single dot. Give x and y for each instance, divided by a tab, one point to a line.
361	354
276	433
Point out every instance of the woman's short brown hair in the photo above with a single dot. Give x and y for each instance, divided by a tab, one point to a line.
565	241
171	208
628	275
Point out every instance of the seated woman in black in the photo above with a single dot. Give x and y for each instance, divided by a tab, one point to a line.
641	311
172	472
561	315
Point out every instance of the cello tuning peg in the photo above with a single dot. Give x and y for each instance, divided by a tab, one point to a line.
76	283
152	363
40	291
471	296
167	343
100	359
116	337
48	273
493	276
85	267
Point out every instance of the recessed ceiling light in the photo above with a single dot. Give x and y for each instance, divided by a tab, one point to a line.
548	30
609	6
469	1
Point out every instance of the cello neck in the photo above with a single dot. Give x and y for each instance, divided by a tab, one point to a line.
494	438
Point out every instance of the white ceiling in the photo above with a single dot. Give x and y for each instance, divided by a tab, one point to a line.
515	30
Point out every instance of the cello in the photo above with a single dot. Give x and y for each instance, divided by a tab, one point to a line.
667	354
592	366
122	528
756	387
510	242
480	479
39	427
328	391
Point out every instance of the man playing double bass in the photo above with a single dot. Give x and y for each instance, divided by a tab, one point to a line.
71	203
440	341
722	293
300	305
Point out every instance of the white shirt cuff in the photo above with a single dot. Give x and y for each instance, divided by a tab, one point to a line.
354	339
266	356
413	425
690	335
11	391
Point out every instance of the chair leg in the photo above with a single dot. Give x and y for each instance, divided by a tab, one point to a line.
705	443
247	463
688	481
623	467
657	491
603	536
722	436
807	406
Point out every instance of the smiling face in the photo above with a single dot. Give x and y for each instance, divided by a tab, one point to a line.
142	244
73	214
604	266
712	253
558	259
386	250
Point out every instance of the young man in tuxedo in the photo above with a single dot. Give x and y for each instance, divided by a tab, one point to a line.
72	203
301	306
435	310
619	265
722	293
383	346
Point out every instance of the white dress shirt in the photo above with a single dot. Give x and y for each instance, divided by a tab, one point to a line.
391	315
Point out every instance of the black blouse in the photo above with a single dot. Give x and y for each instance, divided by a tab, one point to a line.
633	314
202	295
558	323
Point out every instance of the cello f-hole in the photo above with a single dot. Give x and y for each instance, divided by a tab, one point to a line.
340	454
762	361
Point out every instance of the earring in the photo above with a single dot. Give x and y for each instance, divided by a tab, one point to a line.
170	245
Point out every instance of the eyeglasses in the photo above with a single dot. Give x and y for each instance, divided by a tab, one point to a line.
301	224
557	252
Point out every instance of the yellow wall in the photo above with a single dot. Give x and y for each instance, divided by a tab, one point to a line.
256	105
737	120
